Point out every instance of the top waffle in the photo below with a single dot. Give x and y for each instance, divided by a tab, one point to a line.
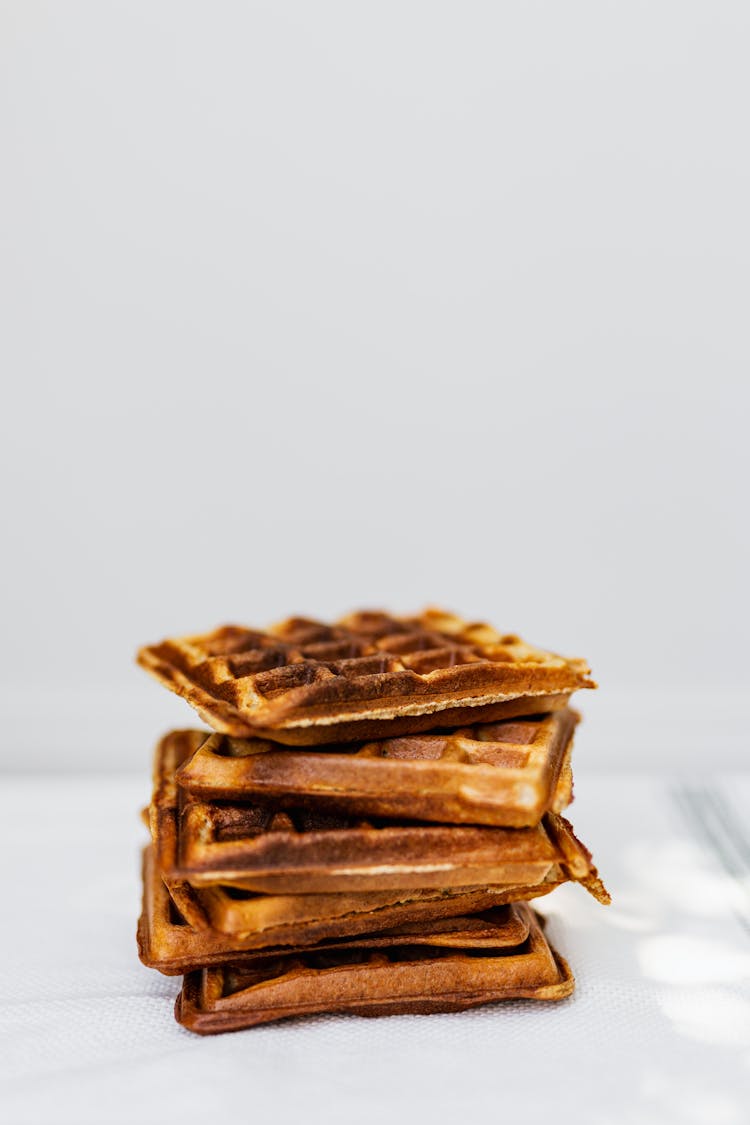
367	675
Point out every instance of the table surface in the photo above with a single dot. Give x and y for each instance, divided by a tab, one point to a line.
658	1029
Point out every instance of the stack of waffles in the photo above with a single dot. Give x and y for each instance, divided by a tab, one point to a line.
364	826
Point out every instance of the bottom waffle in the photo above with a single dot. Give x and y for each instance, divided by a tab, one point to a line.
177	940
405	974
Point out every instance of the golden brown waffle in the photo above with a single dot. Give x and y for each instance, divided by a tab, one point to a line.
260	849
505	774
259	919
372	980
369	675
168	943
256	848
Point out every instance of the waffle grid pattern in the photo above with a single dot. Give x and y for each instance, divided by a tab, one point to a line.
508	773
304	671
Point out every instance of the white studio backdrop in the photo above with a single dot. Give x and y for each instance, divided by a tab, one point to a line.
310	306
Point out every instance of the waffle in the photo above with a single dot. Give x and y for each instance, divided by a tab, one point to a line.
372	980
240	913
506	774
369	675
168	943
259	849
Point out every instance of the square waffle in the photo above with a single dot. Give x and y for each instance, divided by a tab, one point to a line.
369	675
252	917
373	980
259	849
507	773
166	941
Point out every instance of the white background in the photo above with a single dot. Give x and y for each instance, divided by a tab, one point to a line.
309	306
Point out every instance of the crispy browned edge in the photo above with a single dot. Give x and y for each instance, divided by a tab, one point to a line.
296	714
365	729
172	948
225	718
189	1012
338	860
467	802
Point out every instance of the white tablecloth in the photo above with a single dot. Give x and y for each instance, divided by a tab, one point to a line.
657	1031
